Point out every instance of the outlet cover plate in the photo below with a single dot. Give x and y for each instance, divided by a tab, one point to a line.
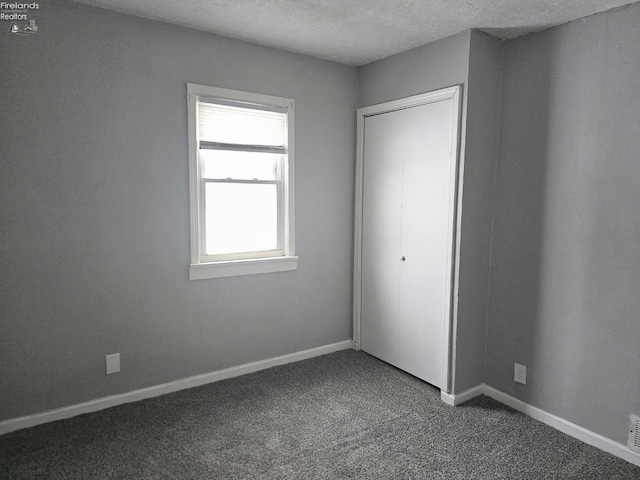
520	373
113	363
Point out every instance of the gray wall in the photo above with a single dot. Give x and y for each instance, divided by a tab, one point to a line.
94	225
436	65
566	251
481	153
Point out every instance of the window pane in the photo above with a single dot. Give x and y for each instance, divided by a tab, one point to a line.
238	165
240	218
245	126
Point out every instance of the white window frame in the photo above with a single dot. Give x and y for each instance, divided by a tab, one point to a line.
203	266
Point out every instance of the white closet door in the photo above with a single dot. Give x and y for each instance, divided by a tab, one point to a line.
382	229
407	220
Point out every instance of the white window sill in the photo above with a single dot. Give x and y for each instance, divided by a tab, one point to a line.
233	268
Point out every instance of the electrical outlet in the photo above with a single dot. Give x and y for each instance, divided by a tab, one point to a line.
520	373
113	363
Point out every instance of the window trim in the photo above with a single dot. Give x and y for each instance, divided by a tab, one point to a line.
202	268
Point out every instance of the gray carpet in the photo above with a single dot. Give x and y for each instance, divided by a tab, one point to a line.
344	415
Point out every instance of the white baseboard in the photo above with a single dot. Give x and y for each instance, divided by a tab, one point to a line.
27	421
460	398
576	431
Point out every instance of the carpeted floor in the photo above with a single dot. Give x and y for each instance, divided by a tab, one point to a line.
344	415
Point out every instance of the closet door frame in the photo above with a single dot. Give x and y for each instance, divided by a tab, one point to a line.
451	93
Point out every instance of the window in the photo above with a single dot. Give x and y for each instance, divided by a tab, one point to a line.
241	182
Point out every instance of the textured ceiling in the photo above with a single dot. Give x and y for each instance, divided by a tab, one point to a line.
356	32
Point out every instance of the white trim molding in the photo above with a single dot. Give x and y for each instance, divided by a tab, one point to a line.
27	421
576	431
234	268
458	399
565	426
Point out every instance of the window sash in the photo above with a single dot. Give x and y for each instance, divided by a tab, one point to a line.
280	206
